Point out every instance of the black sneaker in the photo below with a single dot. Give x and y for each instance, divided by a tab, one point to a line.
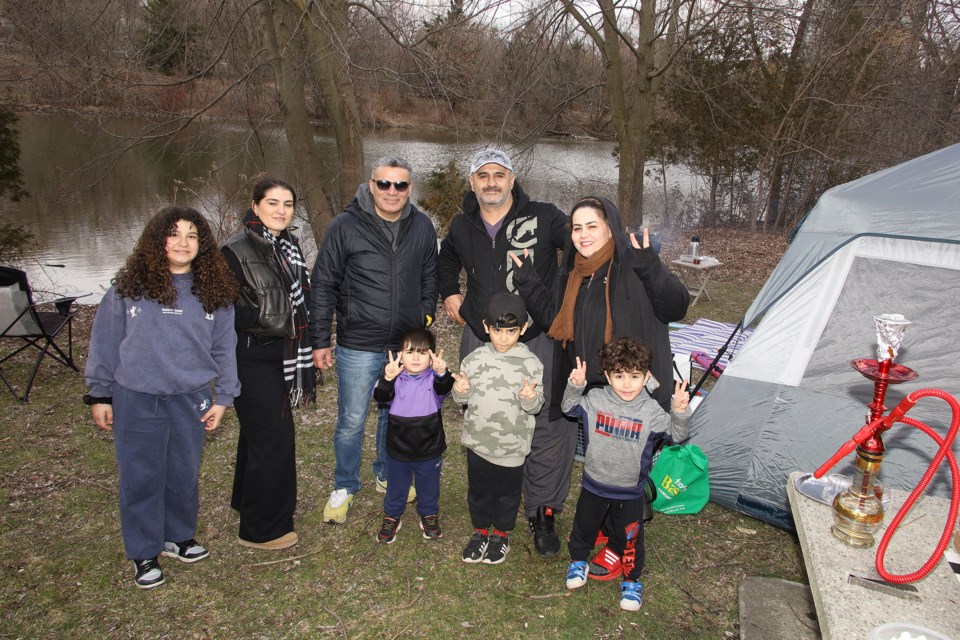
476	548
187	551
148	573
388	530
545	538
430	525
497	550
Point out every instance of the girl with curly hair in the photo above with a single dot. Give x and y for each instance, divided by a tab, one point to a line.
162	371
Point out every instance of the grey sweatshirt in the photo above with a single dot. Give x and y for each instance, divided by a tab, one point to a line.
621	437
147	347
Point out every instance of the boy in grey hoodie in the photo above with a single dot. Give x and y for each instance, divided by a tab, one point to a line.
628	424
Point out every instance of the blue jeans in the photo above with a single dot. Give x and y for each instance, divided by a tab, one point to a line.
357	373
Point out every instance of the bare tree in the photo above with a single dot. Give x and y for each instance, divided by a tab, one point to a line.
638	45
308	40
865	85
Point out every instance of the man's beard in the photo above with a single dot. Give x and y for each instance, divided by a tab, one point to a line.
487	197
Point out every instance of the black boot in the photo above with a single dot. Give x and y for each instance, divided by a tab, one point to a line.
545	538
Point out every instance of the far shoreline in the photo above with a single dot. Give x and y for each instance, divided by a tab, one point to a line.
85	111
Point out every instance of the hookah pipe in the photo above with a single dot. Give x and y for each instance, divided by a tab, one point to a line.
868	440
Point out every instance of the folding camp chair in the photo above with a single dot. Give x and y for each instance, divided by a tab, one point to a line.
22	322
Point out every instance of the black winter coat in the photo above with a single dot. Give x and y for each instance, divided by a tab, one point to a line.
378	292
644	298
538	227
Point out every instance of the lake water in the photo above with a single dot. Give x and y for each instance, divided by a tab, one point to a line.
88	204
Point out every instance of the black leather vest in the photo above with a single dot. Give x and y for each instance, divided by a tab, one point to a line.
263	287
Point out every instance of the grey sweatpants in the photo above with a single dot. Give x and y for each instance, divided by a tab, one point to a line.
546	473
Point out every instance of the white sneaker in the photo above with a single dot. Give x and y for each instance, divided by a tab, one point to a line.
335	511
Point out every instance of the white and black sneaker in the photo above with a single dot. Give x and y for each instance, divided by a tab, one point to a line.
476	547
187	551
148	573
497	549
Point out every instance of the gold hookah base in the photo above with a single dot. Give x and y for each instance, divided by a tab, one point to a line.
855	524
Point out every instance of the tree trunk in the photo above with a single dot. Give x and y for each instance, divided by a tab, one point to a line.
631	110
285	48
299	33
327	40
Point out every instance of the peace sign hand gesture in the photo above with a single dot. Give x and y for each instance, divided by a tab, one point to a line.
529	390
439	364
681	396
517	261
393	368
462	384
646	239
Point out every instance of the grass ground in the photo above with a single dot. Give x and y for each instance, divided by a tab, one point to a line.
63	573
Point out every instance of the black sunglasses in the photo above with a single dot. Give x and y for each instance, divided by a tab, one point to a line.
384	185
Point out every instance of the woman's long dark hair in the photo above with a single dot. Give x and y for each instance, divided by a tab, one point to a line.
146	273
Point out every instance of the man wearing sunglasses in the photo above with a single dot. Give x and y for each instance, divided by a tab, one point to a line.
377	268
498	217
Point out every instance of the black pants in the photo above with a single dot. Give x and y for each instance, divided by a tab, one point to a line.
265	481
493	493
625	520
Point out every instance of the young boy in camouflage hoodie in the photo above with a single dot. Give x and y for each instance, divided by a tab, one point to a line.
499	384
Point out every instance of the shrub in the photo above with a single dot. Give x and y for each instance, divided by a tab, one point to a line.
444	194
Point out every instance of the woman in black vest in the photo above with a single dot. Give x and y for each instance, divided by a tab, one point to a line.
274	364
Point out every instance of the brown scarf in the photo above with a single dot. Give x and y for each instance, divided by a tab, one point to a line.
562	327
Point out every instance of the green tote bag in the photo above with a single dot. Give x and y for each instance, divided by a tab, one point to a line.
681	479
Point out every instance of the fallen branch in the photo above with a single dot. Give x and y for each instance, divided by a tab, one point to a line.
290	559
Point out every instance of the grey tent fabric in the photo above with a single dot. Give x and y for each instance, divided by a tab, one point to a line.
886	243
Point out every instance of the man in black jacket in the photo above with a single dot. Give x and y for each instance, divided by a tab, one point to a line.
498	217
377	268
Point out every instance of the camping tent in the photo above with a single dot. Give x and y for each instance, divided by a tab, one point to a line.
886	243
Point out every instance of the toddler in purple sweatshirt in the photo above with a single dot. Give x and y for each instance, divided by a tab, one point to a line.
414	383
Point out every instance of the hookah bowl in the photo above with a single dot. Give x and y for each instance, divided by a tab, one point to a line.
858	511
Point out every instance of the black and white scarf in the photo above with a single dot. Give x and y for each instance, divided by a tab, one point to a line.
298	370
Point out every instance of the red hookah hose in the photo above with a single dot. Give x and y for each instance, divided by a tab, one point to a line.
945	445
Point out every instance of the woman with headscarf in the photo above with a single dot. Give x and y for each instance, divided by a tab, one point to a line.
610	285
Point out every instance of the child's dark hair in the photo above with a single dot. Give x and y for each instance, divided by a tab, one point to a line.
419	339
626	354
506	320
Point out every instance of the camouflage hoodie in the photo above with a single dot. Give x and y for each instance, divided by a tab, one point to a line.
498	424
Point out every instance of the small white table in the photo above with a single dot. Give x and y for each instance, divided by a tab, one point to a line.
701	272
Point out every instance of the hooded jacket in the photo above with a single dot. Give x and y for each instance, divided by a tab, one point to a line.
618	462
538	227
644	298
377	291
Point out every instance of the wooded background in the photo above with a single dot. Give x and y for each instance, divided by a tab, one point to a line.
771	101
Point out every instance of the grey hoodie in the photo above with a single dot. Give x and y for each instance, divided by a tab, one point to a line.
148	347
621	437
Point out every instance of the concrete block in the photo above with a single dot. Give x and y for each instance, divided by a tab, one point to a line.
776	609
